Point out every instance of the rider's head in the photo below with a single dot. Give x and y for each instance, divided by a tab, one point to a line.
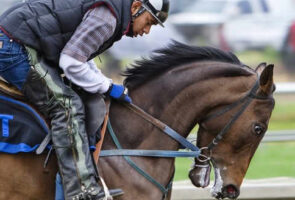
146	13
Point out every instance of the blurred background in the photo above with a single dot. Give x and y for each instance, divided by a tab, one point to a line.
256	31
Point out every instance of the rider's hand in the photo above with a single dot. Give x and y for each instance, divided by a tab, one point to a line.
118	92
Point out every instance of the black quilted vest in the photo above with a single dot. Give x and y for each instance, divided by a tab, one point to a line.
47	25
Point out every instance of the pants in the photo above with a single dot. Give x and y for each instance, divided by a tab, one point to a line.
42	86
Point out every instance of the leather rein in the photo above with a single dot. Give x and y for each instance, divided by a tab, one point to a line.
196	152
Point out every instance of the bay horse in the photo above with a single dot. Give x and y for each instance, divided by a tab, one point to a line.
182	86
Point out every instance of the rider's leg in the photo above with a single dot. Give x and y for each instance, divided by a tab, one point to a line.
13	61
45	89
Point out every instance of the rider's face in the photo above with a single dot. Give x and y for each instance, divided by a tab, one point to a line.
143	23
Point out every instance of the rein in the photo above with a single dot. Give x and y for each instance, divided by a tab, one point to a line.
155	153
151	153
196	152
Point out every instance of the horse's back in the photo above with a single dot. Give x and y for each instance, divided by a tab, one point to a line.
22	176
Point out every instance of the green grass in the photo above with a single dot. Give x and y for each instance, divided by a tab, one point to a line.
270	159
182	168
283	116
273	160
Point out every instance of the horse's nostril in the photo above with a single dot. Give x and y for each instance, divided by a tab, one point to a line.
231	191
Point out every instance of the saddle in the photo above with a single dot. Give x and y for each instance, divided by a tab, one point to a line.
23	128
10	90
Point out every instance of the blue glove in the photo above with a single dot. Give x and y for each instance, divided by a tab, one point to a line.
117	92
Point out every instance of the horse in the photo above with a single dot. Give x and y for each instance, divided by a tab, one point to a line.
182	86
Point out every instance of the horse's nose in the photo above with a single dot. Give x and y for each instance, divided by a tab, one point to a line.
230	191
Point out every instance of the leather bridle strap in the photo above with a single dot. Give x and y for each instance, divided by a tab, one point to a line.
163	127
220	135
223	111
246	100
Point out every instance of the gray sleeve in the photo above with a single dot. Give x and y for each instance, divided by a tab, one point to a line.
98	26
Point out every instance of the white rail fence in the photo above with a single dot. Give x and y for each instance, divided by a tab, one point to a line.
270	136
280	136
285	88
267	189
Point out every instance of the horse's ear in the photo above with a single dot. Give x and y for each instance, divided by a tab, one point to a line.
260	68
266	80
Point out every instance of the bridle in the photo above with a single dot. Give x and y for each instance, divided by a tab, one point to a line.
195	151
245	101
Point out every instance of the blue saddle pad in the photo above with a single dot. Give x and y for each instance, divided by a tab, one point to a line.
22	129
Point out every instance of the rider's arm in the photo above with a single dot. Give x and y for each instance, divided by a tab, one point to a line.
85	75
97	27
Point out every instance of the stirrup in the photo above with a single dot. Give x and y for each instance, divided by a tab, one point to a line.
105	189
112	193
100	196
108	194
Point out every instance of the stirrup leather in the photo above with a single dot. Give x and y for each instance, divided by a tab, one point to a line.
10	90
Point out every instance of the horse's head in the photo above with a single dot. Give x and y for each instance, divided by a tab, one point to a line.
233	133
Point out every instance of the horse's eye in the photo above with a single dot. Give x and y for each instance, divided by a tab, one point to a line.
258	129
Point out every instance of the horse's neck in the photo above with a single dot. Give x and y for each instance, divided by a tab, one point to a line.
179	98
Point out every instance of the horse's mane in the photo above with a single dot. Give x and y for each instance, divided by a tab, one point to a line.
176	54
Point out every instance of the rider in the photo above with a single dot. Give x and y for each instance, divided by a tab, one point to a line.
38	38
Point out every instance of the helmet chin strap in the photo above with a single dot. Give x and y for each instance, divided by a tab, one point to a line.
160	15
139	12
